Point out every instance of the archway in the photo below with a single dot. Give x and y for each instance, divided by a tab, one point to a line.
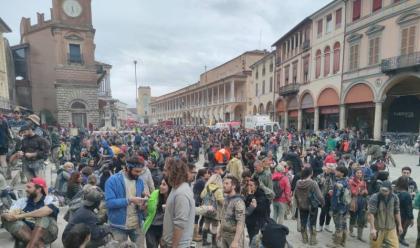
292	108
360	108
307	106
78	115
328	102
261	109
280	111
239	113
270	110
254	110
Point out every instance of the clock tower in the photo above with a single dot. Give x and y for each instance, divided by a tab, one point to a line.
64	73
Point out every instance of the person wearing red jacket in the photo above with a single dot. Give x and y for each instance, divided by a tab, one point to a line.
281	204
358	203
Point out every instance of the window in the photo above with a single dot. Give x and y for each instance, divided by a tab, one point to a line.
327	54
263	87
271	84
338	15
319	28
75	55
336	62
354	57
374	45
408	39
263	71
286	75
329	24
377	4
305	69
271	67
294	68
256	89
78	105
256	73
357	7
318	64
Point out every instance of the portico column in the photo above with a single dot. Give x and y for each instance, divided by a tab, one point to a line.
342	122
232	90
316	119
299	119
286	119
378	121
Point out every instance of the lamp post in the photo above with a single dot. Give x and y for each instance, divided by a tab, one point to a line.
135	78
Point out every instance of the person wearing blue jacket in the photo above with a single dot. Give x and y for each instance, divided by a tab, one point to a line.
124	202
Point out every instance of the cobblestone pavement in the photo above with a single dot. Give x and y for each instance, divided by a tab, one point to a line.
294	238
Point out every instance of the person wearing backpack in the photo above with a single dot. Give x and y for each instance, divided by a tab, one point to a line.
282	193
358	203
212	195
308	198
340	201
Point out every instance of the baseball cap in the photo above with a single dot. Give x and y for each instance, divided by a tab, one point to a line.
40	182
24	128
92	196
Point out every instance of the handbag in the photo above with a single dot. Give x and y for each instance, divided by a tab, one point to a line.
353	204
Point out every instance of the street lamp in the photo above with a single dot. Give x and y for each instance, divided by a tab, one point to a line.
135	78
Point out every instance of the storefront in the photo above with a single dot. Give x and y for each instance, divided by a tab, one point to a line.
280	112
307	106
360	108
293	113
328	103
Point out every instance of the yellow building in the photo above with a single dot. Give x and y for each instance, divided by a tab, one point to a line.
5	67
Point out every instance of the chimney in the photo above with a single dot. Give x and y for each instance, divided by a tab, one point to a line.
40	17
25	25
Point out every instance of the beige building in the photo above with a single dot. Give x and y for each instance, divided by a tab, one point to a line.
222	94
143	103
262	87
6	69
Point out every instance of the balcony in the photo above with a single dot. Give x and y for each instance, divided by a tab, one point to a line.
75	59
289	89
306	45
401	63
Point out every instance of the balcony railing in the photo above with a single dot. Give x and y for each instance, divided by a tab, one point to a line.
75	59
401	62
289	89
306	45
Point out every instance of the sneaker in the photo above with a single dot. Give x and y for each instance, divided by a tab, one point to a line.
319	229
404	243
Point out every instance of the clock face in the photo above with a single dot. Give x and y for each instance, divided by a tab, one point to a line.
72	8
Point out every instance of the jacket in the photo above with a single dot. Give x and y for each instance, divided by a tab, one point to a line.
116	200
284	184
266	182
303	188
338	205
257	217
151	210
235	168
218	195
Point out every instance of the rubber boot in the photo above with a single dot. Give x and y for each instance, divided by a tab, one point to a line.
213	241
304	233
8	173
205	235
312	240
360	234
36	240
197	237
336	240
351	229
343	239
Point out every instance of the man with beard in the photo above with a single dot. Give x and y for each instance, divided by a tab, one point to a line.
34	152
124	202
384	217
32	221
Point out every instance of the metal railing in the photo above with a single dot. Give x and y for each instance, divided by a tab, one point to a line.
400	62
289	89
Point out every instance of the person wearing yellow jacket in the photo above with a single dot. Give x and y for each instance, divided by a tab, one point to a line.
212	196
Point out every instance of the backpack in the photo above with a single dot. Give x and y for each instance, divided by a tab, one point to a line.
277	189
210	200
274	235
346	196
75	203
225	158
314	202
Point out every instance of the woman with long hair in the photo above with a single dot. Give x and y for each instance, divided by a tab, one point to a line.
153	224
74	185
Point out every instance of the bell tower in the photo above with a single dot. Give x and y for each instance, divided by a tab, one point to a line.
72	12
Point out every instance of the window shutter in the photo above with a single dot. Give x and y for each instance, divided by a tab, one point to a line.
336	58
371	51
377	4
377	41
318	64
404	39
327	61
319	27
411	39
338	18
356	57
357	4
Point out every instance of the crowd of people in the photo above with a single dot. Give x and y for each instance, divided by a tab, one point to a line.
172	187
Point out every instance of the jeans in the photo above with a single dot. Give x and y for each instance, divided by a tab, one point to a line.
340	222
325	216
279	210
135	236
405	224
306	215
153	236
358	218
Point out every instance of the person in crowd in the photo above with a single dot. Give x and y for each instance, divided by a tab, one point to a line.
308	197
86	215
118	163
326	182
235	167
32	220
153	225
146	177
5	139
406	207
282	193
192	172
293	156
257	208
212	195
63	177
412	185
203	176
263	175
416	205
231	229
79	236
384	217
178	223
74	185
358	203
125	203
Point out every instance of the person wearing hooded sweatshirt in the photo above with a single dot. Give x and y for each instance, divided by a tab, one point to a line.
280	204
306	187
212	195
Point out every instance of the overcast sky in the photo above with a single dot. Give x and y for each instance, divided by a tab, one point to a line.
175	39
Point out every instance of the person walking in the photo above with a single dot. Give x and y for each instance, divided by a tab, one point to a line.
231	229
358	203
235	167
406	207
282	193
264	177
124	202
178	222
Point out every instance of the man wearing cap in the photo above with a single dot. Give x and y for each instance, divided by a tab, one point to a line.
32	220
34	123
86	215
384	217
124	202
34	151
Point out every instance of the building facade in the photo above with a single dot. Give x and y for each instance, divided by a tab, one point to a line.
6	70
62	73
143	103
222	94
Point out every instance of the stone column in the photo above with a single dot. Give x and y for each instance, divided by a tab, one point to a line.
232	90
378	121
286	119
299	120
342	116
316	119
218	93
